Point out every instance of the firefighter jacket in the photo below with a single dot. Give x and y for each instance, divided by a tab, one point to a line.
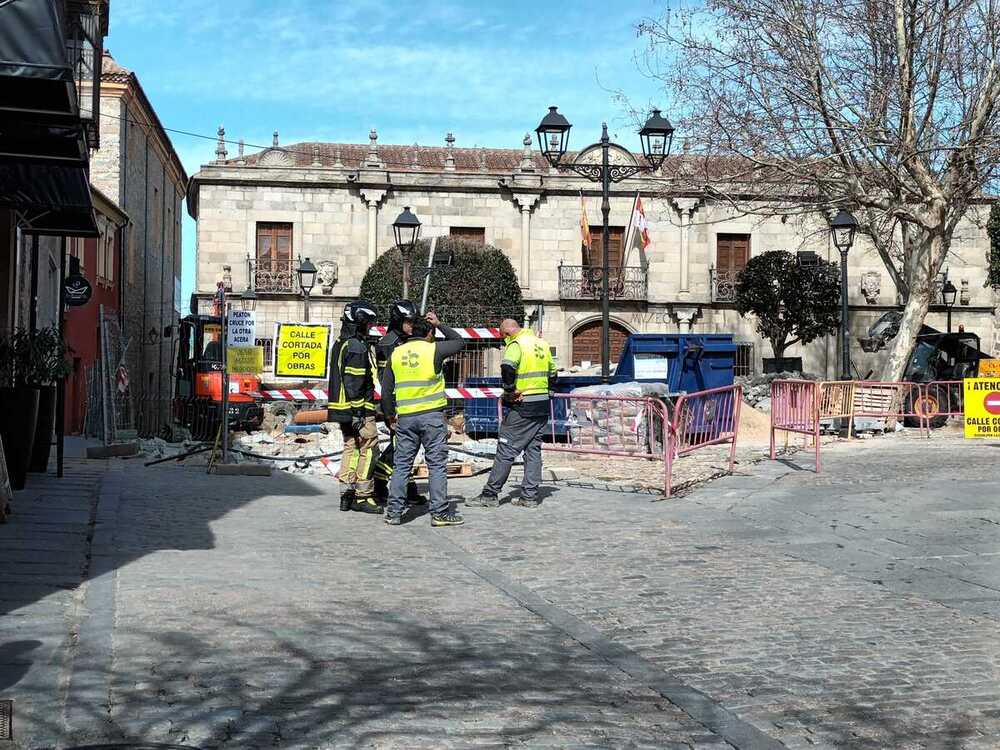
352	380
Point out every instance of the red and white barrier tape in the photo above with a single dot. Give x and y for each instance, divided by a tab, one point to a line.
465	333
320	394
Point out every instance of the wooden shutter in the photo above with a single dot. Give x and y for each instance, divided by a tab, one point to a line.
616	238
274	242
732	251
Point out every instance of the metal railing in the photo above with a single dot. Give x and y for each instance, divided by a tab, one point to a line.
703	419
723	284
272	275
584	283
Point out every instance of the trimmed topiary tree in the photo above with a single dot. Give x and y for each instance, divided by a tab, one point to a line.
479	289
792	303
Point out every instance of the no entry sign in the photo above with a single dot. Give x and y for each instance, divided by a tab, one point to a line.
982	407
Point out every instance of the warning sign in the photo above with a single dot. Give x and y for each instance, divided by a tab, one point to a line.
982	407
242	328
248	359
989	368
301	350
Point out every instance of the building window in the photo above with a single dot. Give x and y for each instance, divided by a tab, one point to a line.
744	364
273	271
469	234
594	258
732	251
268	346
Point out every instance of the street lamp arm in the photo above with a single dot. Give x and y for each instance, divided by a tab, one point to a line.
616	172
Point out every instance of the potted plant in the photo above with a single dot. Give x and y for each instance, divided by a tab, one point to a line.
49	364
18	404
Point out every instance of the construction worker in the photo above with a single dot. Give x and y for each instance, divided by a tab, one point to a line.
413	399
352	406
402	313
526	370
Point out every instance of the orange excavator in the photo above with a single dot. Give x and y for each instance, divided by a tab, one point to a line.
198	382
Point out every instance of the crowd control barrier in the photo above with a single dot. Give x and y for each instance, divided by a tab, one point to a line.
644	427
794	409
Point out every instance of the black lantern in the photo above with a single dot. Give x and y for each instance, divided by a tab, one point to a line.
248	300
949	293
843	227
307	276
406	229
656	136
553	136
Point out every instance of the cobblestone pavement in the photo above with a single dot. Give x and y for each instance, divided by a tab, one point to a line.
855	608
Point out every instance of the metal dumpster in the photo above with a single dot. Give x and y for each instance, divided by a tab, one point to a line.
686	362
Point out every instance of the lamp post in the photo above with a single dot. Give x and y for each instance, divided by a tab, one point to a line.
949	293
406	232
307	280
843	227
656	136
248	300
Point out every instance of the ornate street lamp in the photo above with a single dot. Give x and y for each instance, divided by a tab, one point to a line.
406	231
949	293
248	300
843	227
307	280
553	138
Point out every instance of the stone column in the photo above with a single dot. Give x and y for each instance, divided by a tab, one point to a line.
372	198
686	207
685	318
526	202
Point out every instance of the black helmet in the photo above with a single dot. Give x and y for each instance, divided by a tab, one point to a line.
362	313
400	310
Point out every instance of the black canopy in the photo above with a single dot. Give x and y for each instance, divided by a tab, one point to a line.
36	74
49	198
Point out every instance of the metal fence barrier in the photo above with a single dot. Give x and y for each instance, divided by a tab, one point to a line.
794	410
702	419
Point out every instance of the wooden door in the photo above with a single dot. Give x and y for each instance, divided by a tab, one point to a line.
732	251
587	342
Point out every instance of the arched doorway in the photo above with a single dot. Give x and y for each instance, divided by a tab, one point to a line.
587	342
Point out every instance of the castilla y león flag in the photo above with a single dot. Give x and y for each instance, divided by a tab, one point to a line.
641	225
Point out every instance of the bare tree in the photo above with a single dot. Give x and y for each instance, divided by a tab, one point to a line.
886	107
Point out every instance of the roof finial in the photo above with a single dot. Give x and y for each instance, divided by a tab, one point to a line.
316	161
372	160
220	147
274	139
416	160
241	147
527	160
449	157
338	164
482	158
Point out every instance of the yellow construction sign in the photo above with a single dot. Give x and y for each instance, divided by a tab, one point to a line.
301	350
989	368
248	359
982	407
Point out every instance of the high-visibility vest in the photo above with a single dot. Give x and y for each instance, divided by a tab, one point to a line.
534	366
418	387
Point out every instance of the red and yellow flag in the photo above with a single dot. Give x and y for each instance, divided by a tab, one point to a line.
584	224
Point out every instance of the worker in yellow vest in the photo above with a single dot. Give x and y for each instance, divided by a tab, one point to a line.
525	371
414	400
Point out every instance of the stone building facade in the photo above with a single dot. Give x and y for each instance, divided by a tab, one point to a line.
138	168
257	214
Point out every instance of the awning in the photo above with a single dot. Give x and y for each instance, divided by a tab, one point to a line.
35	71
48	199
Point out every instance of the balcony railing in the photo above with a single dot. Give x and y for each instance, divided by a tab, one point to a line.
272	275
584	283
723	285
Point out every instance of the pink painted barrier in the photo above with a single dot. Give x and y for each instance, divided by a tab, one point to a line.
702	419
795	409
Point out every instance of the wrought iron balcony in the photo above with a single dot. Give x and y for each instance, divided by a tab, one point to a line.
272	275
723	285
584	283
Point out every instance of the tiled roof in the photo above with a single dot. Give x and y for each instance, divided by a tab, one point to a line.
403	158
111	70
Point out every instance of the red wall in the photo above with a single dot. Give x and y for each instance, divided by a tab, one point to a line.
82	330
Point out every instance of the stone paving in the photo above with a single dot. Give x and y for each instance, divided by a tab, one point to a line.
855	608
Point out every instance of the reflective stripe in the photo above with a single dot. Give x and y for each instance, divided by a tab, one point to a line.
422	399
536	374
355	370
416	383
508	362
535	397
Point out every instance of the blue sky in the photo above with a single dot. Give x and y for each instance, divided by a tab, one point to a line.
330	70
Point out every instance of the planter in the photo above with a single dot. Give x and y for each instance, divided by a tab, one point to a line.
44	427
19	407
785	364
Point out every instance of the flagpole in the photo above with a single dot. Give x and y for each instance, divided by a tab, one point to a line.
628	233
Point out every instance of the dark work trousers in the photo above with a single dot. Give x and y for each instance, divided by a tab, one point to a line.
518	433
412	431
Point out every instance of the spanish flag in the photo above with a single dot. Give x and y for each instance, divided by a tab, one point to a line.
584	224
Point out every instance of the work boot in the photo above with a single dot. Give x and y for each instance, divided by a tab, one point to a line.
346	499
393	519
449	518
366	505
485	500
525	502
